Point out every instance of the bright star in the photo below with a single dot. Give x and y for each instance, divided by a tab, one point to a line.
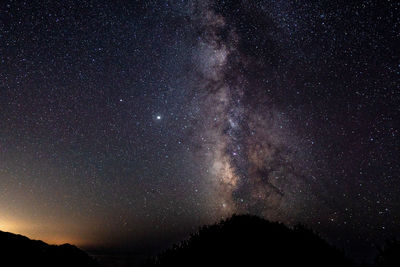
158	117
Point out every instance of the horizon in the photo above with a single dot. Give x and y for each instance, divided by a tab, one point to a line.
128	125
140	253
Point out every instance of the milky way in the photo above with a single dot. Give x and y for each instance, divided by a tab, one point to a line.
252	160
129	124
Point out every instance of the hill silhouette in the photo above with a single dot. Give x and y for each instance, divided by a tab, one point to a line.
18	250
251	241
389	256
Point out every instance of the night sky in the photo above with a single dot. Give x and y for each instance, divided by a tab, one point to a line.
131	123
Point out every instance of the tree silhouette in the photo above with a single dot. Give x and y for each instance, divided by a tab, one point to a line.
251	241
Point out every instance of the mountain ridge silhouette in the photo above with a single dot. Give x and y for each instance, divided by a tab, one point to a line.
245	240
18	250
249	240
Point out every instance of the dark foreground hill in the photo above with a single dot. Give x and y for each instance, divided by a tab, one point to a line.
17	250
252	241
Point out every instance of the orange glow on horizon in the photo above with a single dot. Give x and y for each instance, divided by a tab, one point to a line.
52	235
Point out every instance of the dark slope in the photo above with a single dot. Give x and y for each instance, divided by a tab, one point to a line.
389	255
252	241
17	250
